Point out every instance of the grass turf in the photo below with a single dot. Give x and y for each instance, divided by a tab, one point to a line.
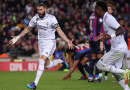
53	81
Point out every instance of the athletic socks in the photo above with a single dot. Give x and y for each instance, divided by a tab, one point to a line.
106	73
54	63
39	71
81	69
86	67
96	70
91	66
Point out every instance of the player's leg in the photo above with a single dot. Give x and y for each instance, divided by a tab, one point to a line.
40	70
84	61
49	64
91	68
105	76
92	61
82	71
39	73
97	71
121	81
99	54
83	64
46	48
107	61
107	49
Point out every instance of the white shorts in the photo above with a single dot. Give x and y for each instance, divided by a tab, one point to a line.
46	47
128	54
113	57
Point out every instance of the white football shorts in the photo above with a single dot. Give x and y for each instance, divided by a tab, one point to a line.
113	57
46	46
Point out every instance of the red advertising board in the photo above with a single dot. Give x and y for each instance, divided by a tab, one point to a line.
21	66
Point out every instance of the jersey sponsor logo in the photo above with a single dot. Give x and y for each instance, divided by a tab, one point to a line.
42	27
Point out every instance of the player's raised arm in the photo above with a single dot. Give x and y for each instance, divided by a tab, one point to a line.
32	24
15	39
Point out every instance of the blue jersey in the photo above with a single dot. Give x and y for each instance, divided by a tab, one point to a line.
96	26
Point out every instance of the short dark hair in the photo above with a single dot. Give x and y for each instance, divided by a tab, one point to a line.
109	5
41	4
102	4
121	19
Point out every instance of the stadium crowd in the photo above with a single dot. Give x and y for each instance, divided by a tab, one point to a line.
72	15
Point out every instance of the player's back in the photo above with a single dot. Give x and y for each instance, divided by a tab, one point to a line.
110	25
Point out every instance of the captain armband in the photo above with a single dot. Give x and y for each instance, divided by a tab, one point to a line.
55	26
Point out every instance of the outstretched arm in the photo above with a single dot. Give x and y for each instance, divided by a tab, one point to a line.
25	31
15	39
64	37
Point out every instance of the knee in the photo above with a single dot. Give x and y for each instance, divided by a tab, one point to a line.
43	57
41	61
99	65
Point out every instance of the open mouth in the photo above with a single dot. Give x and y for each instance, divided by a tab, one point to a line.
40	14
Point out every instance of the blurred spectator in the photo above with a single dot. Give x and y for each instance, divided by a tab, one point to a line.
53	10
13	52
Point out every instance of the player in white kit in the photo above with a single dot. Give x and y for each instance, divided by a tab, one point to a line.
112	60
47	25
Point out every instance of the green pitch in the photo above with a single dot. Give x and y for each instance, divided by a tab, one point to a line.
53	81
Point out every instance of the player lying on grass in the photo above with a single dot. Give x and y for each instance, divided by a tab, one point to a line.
81	56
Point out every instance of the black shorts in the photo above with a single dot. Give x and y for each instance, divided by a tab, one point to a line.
79	56
95	46
107	47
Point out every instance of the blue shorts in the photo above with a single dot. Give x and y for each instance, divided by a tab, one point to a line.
79	56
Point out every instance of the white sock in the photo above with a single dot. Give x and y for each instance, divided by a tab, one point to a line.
50	65
54	63
39	71
110	68
123	85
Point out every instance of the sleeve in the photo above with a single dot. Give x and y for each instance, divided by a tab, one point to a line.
54	23
112	23
32	22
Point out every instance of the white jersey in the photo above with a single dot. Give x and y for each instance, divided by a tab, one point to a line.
110	25
46	26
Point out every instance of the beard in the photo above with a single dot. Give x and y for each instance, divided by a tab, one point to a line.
42	15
